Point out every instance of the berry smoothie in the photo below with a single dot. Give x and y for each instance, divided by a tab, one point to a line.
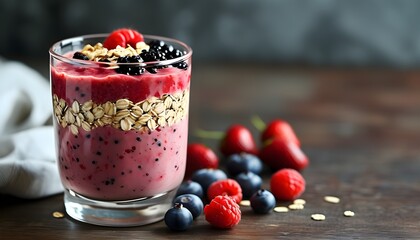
120	136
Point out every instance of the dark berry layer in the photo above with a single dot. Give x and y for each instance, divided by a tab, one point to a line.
158	51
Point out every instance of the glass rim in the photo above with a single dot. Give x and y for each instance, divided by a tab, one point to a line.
70	41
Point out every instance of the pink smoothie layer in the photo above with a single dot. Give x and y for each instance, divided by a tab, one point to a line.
107	163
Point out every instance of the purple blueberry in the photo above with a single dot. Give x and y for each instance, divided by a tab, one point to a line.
243	162
250	183
207	176
178	218
190	187
263	201
191	202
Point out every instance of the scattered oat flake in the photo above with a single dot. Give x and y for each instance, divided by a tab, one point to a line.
245	203
318	217
58	214
299	201
296	206
348	213
281	209
331	199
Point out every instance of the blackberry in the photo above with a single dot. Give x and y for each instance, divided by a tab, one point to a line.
160	51
175	53
156	44
79	55
181	65
151	56
168	51
152	70
130	69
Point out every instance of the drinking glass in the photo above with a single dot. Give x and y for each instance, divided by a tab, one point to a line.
120	139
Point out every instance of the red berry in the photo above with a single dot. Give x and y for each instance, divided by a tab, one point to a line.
225	187
222	212
132	36
199	156
287	184
279	129
238	139
122	37
278	153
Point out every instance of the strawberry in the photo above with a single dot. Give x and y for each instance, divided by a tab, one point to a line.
287	184
279	129
122	37
199	156
238	139
278	153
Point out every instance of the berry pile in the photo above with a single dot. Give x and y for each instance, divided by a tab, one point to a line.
127	38
244	162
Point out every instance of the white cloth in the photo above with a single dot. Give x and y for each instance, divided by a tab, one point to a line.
27	154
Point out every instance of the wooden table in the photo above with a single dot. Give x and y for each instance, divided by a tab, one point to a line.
360	129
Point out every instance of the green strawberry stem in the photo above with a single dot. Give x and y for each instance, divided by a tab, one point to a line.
258	123
217	135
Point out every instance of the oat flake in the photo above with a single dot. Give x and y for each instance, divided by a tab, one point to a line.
58	214
299	201
318	217
281	209
331	199
348	213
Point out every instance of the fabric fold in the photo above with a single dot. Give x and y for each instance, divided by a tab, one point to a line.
27	154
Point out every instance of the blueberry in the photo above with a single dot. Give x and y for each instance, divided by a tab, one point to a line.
178	218
243	162
190	187
250	183
207	176
191	202
262	201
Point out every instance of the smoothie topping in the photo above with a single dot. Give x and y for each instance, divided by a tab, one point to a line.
125	46
147	115
99	53
123	37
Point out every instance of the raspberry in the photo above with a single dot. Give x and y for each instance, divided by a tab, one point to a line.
222	212
226	187
122	37
132	36
115	39
287	184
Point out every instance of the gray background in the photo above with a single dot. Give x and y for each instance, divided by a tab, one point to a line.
317	32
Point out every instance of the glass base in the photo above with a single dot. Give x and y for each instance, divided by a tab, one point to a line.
128	213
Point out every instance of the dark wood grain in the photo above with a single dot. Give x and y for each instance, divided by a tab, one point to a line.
360	128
